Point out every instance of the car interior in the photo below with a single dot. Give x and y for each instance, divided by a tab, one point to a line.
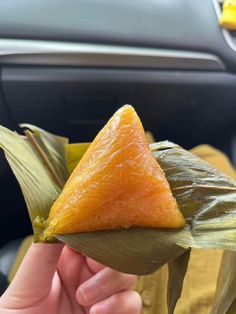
66	66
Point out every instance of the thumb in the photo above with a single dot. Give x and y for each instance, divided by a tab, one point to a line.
34	277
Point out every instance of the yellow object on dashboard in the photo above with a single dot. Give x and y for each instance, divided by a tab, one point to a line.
228	17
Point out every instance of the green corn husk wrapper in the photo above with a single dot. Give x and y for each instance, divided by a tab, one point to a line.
206	197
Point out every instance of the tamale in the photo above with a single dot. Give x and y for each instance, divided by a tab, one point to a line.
117	184
205	197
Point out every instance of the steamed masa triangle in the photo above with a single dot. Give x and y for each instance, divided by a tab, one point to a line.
117	184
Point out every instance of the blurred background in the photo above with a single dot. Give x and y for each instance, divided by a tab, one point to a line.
66	66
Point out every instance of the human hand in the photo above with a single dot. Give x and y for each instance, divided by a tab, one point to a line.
54	279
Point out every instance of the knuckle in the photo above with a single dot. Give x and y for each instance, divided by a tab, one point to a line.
129	280
132	302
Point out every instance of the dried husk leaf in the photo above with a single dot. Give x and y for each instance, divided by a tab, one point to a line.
138	251
54	148
206	197
37	184
177	270
74	152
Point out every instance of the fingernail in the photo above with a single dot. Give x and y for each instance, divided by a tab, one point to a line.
99	309
89	290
